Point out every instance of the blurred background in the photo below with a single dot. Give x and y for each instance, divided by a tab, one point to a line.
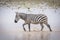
8	8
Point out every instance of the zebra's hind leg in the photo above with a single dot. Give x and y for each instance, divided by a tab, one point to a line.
41	26
23	26
29	27
49	27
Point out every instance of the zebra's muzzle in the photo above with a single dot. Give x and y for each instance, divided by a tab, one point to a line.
15	21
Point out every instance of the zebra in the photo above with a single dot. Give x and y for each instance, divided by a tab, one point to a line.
34	19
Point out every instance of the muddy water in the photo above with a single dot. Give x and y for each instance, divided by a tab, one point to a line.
30	36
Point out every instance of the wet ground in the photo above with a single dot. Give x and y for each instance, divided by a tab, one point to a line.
43	35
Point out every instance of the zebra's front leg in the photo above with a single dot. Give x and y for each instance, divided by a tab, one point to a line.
41	26
24	27
29	27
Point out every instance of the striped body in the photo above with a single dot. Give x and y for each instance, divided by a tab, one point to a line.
32	18
36	18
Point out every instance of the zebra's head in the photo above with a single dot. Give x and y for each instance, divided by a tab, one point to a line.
17	17
20	16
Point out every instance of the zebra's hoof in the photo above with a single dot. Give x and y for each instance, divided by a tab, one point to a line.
24	30
51	30
29	31
41	30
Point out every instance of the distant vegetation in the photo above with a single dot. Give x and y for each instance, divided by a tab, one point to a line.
29	3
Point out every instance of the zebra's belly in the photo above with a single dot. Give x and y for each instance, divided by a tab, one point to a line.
34	22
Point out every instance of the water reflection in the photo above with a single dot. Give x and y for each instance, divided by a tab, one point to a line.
33	36
30	36
45	35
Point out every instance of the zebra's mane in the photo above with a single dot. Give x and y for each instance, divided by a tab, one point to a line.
23	16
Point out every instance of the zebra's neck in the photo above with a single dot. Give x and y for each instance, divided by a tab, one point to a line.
23	16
